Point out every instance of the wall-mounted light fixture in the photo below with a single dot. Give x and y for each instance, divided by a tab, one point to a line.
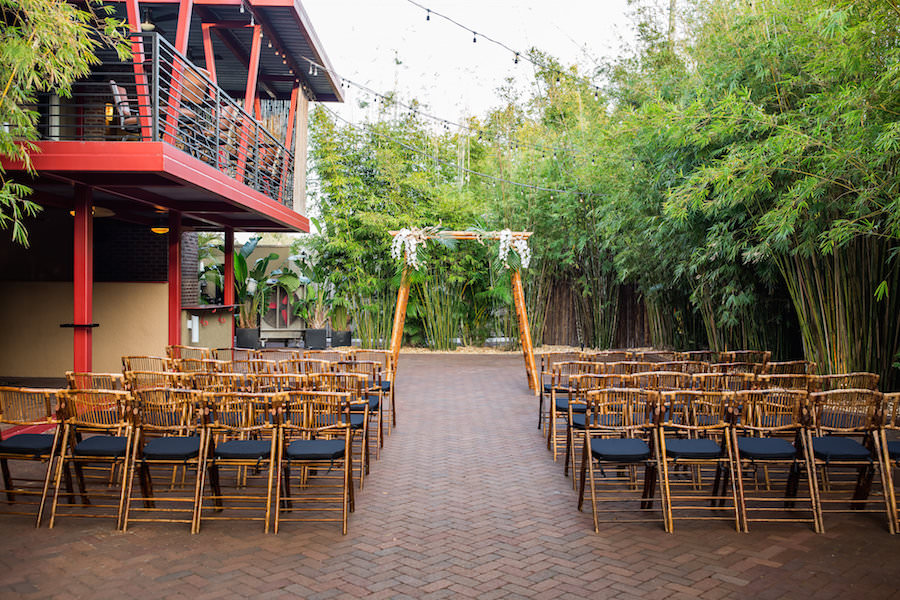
161	226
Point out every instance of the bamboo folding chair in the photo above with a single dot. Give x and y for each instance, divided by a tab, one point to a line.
96	430
791	367
845	381
139	380
771	453
727	382
608	356
655	356
28	409
628	367
276	382
202	365
314	437
95	381
146	363
329	355
356	385
257	366
175	351
846	441
548	359
891	447
559	394
576	406
737	367
216	382
760	357
683	366
695	448
661	381
303	366
388	376
279	354
168	435
621	437
231	354
785	381
707	356
241	436
375	393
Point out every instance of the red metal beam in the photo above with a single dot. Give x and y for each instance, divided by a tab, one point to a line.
175	278
208	53
133	11
83	280
185	11
249	97
228	272
289	137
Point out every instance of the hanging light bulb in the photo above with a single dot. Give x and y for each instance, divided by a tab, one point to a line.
516	59
310	68
428	14
270	43
315	71
474	37
242	6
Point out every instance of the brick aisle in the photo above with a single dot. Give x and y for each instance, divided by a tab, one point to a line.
464	503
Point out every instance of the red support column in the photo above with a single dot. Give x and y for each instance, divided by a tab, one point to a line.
208	52
228	273
249	98
133	12
83	279
174	278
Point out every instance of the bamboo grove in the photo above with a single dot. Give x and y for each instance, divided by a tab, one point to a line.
738	178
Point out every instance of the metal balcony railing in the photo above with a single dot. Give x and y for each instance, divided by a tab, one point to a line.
162	96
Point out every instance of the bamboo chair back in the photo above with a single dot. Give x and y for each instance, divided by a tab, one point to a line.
791	367
707	356
772	410
734	382
382	356
860	381
146	363
662	380
137	380
683	366
201	365
562	371
737	367
217	382
104	410
259	366
234	354
165	411
608	356
750	356
845	411
329	355
95	381
595	381
276	382
27	406
657	356
892	410
175	351
629	367
787	381
620	411
353	383
304	366
279	354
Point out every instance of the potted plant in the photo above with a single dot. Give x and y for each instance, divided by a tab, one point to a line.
250	288
340	322
314	310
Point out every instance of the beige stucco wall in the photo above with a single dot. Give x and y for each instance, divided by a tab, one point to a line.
132	319
215	328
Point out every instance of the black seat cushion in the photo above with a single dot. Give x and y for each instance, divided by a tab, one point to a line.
562	405
315	449
894	449
246	449
766	448
102	445
27	443
172	448
833	447
373	399
692	449
356	420
620	450
385	385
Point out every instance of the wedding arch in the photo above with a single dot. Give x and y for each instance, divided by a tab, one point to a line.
405	245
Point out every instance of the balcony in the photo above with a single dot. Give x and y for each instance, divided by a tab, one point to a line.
160	96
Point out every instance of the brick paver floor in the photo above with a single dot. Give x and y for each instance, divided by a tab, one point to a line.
465	502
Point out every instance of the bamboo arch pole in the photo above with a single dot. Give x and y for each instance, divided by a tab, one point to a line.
531	373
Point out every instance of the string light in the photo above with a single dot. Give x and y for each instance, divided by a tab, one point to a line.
474	37
428	14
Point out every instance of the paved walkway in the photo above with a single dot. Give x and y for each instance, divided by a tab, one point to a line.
465	502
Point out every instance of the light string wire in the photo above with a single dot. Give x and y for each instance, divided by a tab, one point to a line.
468	171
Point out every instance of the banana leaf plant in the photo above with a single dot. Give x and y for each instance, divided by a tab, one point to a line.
252	286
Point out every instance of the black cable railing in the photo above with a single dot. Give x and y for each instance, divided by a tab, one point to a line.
162	96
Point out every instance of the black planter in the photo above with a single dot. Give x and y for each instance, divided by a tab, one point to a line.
315	339
246	338
340	338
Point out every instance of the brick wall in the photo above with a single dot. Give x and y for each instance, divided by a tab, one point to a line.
128	252
190	285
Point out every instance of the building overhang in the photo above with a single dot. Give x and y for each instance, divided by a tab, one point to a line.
140	182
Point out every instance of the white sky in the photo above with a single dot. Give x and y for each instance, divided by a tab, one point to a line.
440	66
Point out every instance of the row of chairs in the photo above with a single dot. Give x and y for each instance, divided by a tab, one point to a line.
110	438
742	456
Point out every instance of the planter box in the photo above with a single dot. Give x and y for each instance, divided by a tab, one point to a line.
246	338
315	339
340	338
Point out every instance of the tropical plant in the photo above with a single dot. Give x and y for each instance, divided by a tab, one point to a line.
252	286
44	47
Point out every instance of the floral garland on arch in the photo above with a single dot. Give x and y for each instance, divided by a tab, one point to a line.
406	243
519	244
